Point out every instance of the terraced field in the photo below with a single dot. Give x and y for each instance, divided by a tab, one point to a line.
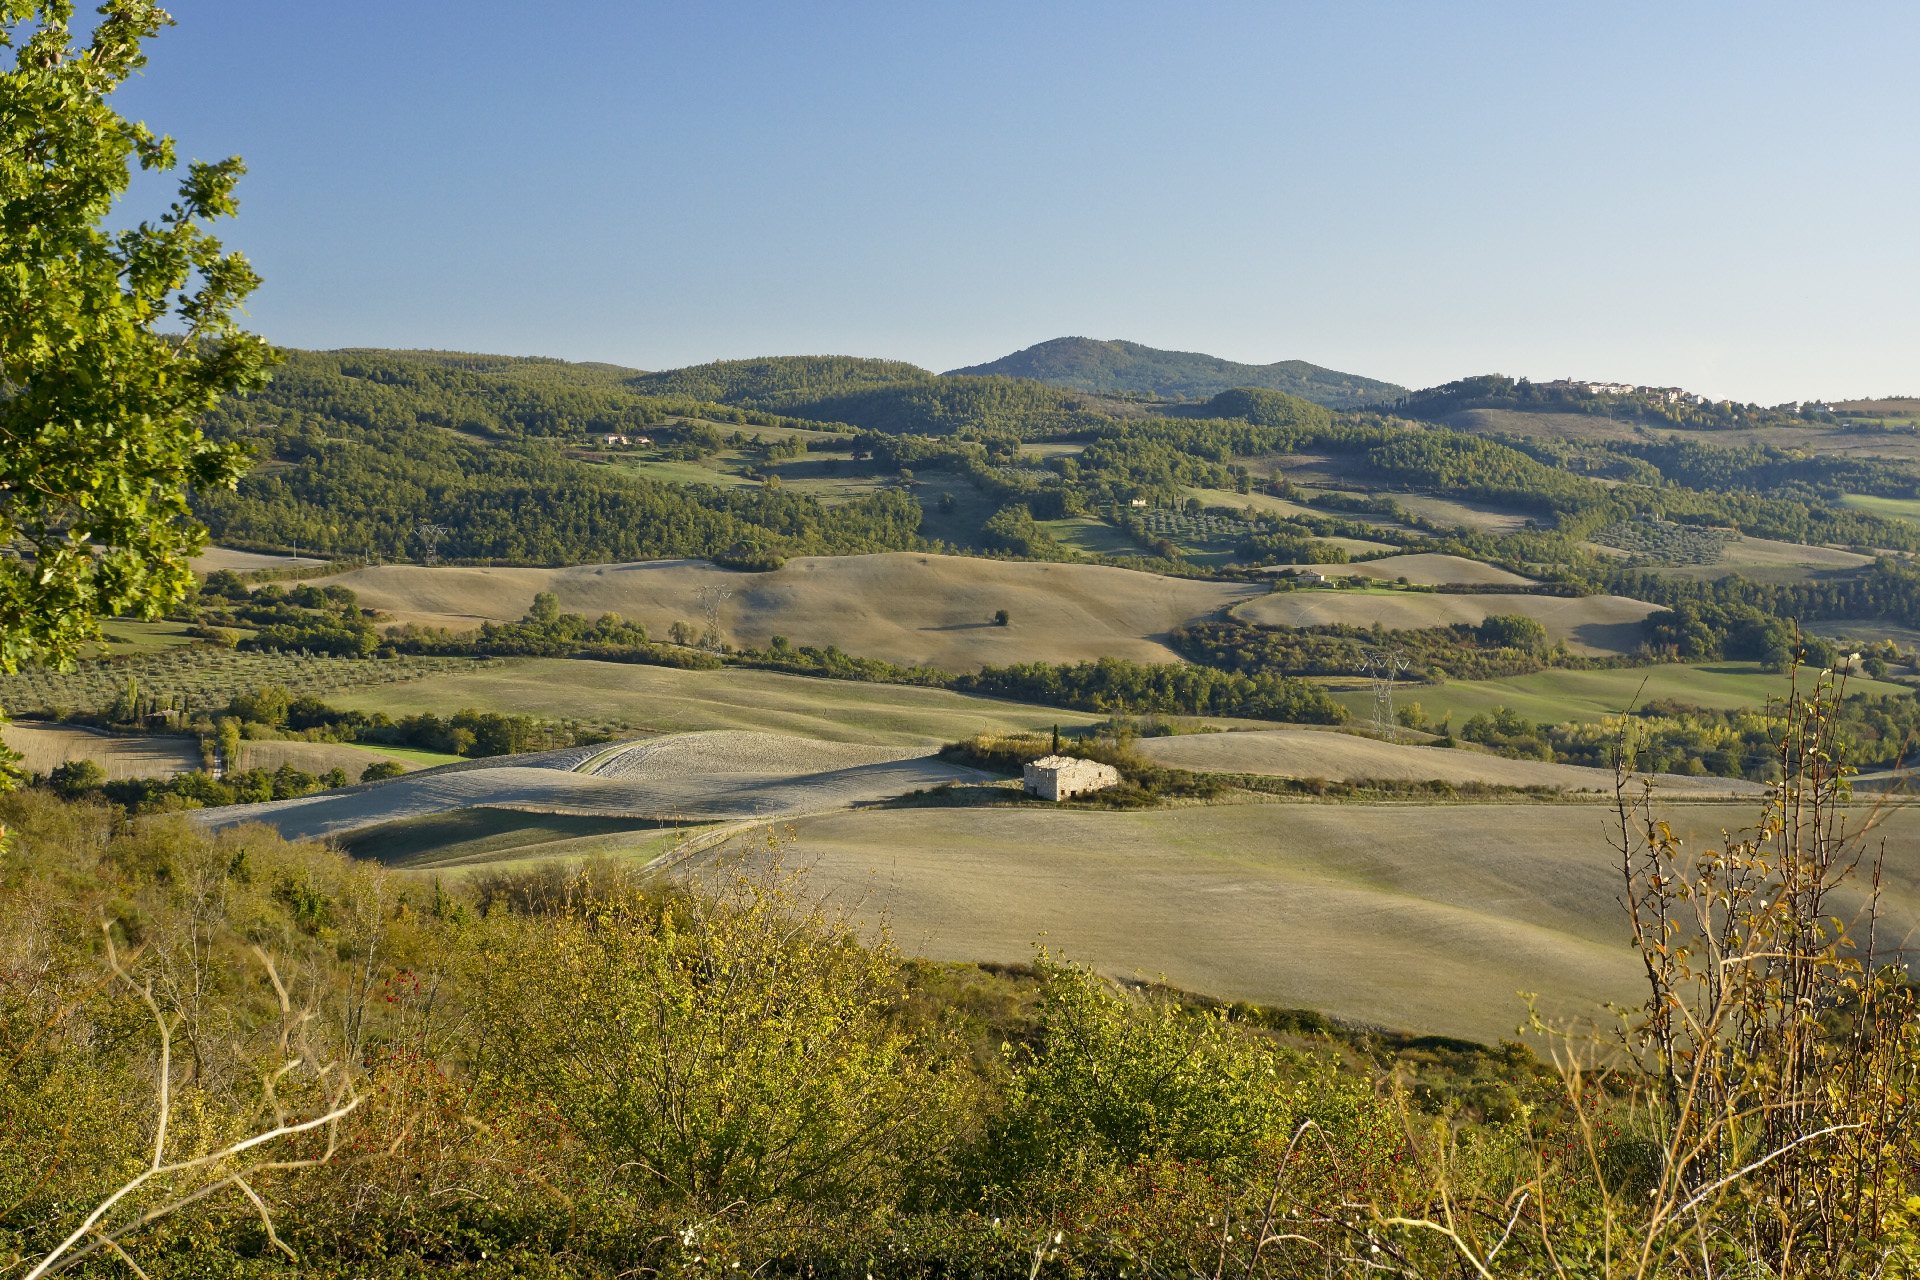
1432	917
1589	624
904	607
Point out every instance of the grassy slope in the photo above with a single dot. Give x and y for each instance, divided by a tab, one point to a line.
665	700
1554	696
1423	916
1907	509
904	607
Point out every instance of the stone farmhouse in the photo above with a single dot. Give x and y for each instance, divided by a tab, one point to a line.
1063	777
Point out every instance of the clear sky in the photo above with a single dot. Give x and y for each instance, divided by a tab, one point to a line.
1721	197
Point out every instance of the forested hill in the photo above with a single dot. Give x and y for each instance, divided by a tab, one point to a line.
1086	364
356	449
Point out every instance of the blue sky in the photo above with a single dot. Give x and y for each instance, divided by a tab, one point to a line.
1721	197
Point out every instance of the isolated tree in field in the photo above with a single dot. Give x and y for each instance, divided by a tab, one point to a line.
112	344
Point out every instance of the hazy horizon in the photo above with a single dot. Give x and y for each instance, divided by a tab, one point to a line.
1707	196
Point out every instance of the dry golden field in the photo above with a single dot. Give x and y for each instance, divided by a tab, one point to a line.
1425	917
664	700
46	746
1427	569
901	606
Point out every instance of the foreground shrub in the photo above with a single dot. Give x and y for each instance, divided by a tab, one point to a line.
725	1047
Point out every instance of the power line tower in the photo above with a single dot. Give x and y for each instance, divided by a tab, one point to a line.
711	598
1384	666
430	540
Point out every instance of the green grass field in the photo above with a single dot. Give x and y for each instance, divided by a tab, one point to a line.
664	700
425	759
127	637
1907	509
1091	536
1555	696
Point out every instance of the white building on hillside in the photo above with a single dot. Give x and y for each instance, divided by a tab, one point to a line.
1063	777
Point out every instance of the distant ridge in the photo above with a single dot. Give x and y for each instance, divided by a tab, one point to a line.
1087	364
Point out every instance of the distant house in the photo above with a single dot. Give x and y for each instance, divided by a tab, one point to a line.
1138	502
1063	777
643	439
616	439
1310	577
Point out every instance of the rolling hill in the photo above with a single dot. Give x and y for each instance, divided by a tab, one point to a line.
903	607
1087	364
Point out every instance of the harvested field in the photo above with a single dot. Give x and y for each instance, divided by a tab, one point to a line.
1451	512
1865	631
903	607
1557	426
1309	753
318	757
497	837
46	746
1399	915
1589	624
663	700
214	558
1429	570
1764	560
697	777
1558	695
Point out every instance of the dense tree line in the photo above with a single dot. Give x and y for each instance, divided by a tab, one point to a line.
524	503
777	381
1501	646
1121	687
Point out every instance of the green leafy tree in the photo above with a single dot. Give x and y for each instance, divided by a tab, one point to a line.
112	343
